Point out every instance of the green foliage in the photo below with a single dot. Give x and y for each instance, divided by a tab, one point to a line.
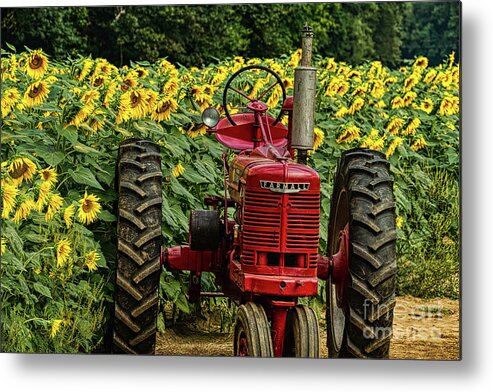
432	28
53	303
197	35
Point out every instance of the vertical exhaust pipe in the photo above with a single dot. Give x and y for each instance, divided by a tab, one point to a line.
305	81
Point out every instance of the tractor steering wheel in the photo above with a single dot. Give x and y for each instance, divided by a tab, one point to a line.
259	97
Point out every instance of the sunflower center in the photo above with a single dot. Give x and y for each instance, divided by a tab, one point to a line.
19	171
164	107
34	91
98	81
87	206
135	100
36	62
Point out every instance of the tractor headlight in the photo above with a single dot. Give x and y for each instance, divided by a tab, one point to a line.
210	117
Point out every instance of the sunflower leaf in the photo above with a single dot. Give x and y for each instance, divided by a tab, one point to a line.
85	149
50	156
42	289
82	175
70	133
107	216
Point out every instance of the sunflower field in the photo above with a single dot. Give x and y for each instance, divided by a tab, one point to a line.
61	126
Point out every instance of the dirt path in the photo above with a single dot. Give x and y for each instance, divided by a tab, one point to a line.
423	329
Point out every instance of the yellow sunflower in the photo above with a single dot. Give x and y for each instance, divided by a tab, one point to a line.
198	93
337	86
341	112
89	207
103	66
49	175
451	59
421	62
426	106
142	73
130	81
178	170
397	102
220	75
90	260
318	138
360	90
395	143
395	125
82	115
98	80
10	97
36	94
68	215
409	97
9	195
197	130
430	76
86	68
411	81
449	105
163	109
21	169
55	327
134	104
390	81
418	144
399	221
96	122
295	59
378	89
24	210
350	132
43	193
357	104
370	139
110	93
331	65
380	104
171	86
36	64
63	250
411	127
375	70
90	96
378	144
54	205
257	87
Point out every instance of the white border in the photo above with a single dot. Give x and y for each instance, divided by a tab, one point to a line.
93	373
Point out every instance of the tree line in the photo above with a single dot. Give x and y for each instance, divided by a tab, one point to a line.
197	35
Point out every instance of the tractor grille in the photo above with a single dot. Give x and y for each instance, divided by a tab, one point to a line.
262	222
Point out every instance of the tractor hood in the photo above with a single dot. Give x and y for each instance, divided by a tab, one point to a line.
281	176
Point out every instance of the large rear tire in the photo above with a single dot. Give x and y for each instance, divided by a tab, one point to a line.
136	295
252	333
302	333
363	201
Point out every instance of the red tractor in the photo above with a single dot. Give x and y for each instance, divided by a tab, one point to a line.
265	256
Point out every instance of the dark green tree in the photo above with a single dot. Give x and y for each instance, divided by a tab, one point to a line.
432	30
60	31
198	34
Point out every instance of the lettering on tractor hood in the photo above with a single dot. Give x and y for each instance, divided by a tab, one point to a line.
285	187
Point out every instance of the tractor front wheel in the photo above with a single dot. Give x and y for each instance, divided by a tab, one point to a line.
302	333
252	333
362	229
139	247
